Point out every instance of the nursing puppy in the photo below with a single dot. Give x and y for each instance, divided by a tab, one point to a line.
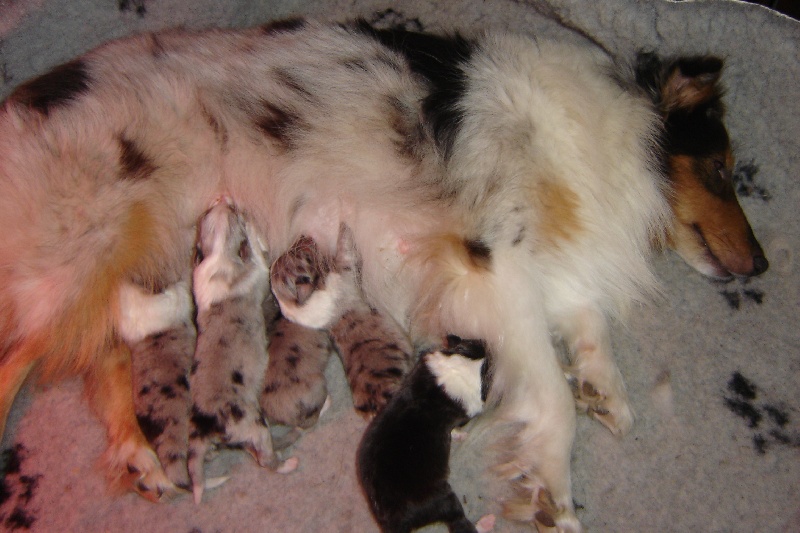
497	188
159	329
403	457
295	389
325	292
230	283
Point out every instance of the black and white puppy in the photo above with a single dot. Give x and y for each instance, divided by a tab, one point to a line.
403	458
230	361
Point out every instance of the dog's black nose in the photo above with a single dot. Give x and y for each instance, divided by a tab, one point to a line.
760	265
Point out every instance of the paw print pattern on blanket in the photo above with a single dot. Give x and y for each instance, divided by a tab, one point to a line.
745	183
768	420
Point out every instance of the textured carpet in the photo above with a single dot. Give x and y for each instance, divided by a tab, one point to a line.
713	370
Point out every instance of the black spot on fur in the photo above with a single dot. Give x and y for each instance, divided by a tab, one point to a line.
293	360
236	412
205	424
57	88
741	386
182	382
237	377
439	61
281	125
168	392
291	82
224	342
135	164
151	427
283	26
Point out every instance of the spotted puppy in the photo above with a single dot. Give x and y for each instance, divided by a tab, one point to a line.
295	390
230	283
324	292
160	331
403	458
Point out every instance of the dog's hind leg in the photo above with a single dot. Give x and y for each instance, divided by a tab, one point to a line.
131	461
596	381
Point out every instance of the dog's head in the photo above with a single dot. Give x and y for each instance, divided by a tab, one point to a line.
709	231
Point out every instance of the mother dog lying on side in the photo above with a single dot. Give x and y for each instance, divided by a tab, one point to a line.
499	189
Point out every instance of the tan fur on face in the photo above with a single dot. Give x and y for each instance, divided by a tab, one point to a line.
724	234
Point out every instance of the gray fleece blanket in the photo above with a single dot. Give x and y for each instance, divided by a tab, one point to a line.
712	369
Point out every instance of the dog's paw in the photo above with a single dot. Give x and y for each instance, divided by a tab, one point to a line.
534	503
610	408
134	466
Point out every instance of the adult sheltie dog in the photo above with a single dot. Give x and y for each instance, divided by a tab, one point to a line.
498	188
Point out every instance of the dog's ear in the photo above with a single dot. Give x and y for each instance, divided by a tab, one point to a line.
691	81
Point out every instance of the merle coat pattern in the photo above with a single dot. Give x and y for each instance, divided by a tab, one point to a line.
230	360
160	331
497	187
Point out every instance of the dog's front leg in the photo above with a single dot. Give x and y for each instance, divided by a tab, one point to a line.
596	381
130	460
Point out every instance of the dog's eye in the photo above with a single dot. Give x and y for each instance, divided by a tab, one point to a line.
198	256
723	172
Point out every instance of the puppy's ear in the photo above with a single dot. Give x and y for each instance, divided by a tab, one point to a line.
691	81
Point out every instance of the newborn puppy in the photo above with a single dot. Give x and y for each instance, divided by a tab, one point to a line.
160	333
295	390
230	284
325	292
403	458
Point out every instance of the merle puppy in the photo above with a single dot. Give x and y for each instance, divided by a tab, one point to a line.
230	361
403	458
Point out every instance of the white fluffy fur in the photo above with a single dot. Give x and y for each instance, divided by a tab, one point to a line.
460	377
322	308
142	313
551	170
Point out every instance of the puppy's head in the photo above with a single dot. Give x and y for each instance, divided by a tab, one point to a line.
709	231
229	259
461	369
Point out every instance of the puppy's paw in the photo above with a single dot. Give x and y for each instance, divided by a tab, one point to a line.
610	409
134	466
